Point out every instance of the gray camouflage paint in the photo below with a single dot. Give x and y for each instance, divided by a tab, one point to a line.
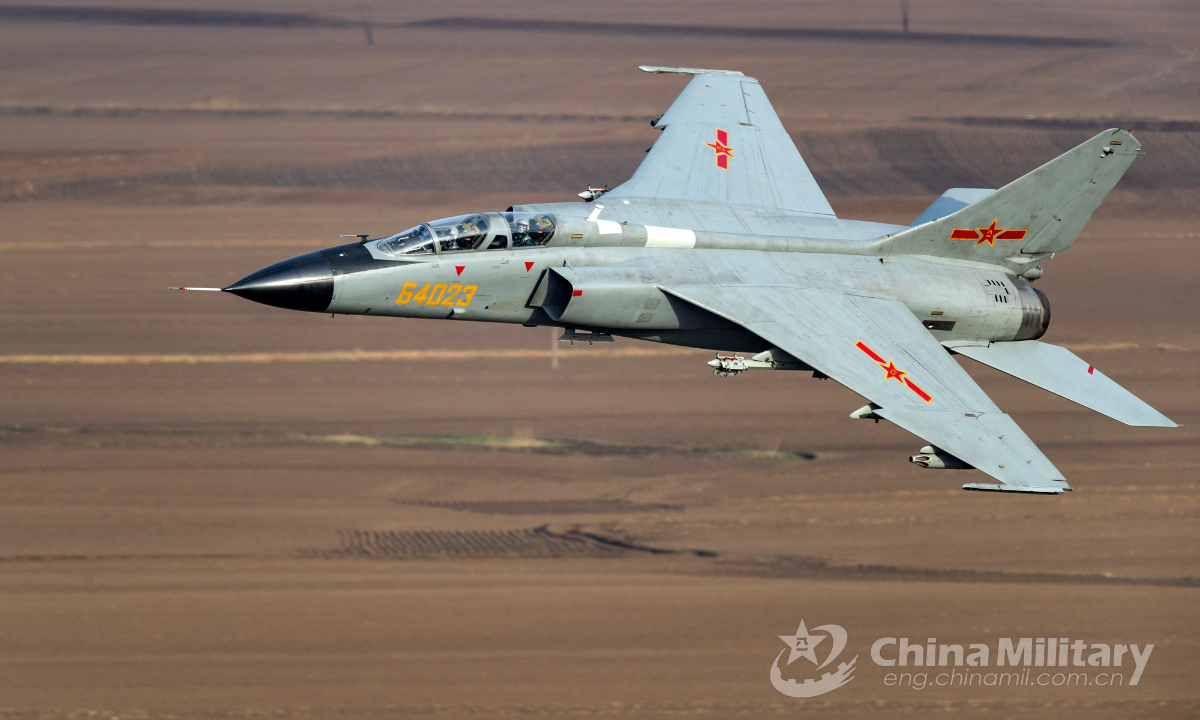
748	256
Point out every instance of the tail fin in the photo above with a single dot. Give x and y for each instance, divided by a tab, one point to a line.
1032	216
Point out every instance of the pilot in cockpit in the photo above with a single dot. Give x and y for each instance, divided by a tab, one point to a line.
520	232
530	230
467	232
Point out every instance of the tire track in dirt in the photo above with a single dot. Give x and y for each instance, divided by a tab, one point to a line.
168	17
893	161
756	33
133	111
539	542
183	17
586	506
787	566
332	356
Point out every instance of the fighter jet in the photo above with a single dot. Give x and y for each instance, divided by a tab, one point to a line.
722	240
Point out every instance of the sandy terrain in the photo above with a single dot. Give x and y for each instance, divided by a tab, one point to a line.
214	509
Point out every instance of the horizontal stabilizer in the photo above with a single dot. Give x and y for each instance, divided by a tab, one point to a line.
1058	370
950	202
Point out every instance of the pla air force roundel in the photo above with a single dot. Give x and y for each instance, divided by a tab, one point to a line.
805	644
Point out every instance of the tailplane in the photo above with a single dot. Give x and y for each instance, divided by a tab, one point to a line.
950	202
1058	370
1030	218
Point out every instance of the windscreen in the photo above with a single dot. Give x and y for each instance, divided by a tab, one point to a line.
415	241
467	232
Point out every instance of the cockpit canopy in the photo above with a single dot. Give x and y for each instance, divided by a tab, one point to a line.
499	231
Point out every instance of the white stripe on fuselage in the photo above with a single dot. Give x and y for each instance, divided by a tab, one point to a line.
662	237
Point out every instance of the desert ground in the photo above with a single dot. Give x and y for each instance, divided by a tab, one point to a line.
215	509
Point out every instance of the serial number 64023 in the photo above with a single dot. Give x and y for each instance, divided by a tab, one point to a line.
439	294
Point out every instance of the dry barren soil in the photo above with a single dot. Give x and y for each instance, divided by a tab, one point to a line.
214	509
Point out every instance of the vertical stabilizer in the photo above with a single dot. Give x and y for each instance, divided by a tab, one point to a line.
1031	217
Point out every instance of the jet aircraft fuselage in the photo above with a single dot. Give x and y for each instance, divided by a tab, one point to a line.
723	240
582	278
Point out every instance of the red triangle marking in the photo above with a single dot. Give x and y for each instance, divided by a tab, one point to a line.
528	265
460	268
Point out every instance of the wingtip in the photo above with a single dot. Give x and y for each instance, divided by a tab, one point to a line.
666	70
1001	487
1146	420
1165	422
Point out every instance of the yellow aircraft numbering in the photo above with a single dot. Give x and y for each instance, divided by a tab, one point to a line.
439	294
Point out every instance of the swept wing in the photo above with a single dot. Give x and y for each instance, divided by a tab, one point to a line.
723	143
876	347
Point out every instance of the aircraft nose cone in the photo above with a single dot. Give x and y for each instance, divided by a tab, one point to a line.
304	282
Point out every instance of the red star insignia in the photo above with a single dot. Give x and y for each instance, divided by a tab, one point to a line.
892	371
988	234
722	149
